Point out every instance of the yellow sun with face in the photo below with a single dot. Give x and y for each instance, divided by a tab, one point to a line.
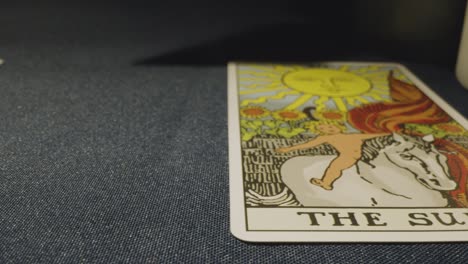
339	86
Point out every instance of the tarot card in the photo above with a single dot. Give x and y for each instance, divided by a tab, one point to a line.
344	152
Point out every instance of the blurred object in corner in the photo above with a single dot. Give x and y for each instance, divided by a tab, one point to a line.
462	61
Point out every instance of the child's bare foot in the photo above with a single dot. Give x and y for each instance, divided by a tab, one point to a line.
320	183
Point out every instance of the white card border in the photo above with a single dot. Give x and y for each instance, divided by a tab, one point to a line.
237	211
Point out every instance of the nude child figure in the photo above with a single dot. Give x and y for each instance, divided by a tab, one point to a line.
348	146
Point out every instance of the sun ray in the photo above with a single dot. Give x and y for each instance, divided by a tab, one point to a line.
377	91
254	79
243	92
274	67
282	68
380	82
261	85
320	102
261	67
375	75
263	99
340	104
360	100
377	97
368	69
261	74
381	85
350	100
380	88
300	101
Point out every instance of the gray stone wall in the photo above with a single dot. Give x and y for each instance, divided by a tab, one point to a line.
261	163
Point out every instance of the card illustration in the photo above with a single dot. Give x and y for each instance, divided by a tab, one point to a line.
345	135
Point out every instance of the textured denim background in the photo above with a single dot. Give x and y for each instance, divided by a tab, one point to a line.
103	161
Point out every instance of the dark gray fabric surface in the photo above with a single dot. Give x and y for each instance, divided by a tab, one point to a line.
103	161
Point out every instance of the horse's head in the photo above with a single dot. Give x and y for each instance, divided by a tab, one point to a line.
421	158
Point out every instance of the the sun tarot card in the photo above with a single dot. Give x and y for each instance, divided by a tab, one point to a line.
344	151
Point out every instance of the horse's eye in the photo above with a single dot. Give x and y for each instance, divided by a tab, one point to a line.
406	156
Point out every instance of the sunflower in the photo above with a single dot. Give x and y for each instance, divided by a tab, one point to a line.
330	115
289	115
451	128
254	112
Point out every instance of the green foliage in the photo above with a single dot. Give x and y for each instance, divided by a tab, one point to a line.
287	129
422	129
290	132
433	129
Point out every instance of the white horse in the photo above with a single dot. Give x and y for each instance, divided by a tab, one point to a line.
394	171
